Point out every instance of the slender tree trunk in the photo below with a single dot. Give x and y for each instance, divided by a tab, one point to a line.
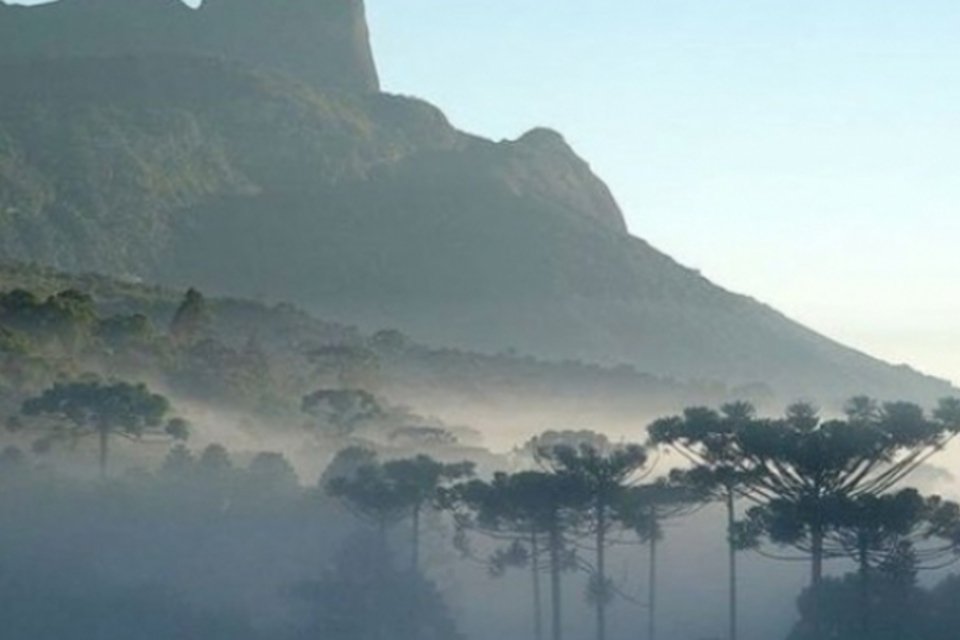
732	560
816	580
383	557
535	575
383	553
652	580
863	560
415	556
555	595
104	451
601	595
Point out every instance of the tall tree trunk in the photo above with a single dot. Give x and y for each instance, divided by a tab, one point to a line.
555	595
732	560
863	559
652	580
601	595
383	558
535	575
415	524
816	580
104	451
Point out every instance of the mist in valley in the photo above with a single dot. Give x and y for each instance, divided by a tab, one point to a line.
216	468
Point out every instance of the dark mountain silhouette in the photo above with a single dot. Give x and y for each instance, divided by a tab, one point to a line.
280	176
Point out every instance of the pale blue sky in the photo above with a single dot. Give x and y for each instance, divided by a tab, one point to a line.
806	153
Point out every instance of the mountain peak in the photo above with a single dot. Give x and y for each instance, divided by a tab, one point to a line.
323	43
545	138
542	163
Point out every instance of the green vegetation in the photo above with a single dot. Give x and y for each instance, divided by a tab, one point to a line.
91	408
284	367
373	210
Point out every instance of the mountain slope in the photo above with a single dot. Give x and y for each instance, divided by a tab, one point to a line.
372	209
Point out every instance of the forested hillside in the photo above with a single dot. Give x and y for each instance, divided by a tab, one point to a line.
249	365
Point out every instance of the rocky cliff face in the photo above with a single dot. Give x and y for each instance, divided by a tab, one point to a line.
323	43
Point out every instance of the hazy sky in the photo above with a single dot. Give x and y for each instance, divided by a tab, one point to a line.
806	153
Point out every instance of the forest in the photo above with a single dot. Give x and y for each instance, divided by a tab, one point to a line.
329	510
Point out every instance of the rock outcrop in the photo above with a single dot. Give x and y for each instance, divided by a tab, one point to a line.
323	43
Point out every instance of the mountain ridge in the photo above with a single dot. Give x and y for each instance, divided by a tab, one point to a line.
372	209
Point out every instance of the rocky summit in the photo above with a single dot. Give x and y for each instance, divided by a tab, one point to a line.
323	43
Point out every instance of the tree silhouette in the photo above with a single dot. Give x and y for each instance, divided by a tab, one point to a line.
877	532
77	410
191	322
524	508
340	411
809	469
644	509
67	317
371	496
347	462
708	439
418	481
386	494
270	475
603	477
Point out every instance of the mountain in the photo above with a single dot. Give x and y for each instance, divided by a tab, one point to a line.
278	180
321	42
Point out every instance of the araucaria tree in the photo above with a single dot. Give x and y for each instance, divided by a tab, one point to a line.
386	494
644	510
603	477
531	511
809	469
709	440
370	496
418	481
877	532
77	410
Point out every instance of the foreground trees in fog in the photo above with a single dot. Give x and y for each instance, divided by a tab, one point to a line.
821	486
602	477
708	439
579	495
826	487
388	493
77	410
811	469
644	509
803	472
418	482
900	608
882	533
525	508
